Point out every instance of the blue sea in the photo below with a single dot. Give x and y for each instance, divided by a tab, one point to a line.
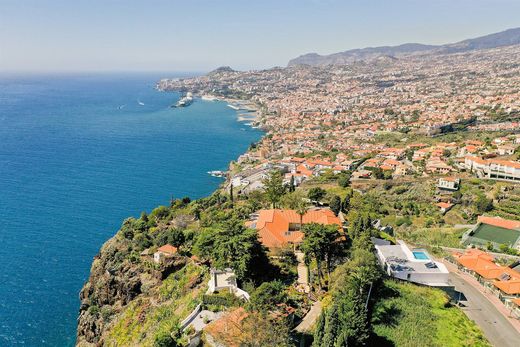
78	154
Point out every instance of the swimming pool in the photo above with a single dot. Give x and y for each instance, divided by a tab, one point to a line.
421	255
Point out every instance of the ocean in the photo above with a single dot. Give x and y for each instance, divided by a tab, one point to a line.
78	154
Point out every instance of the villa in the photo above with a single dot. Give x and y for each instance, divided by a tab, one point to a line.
413	265
279	228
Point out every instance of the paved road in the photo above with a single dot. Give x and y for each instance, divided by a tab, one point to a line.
310	318
495	326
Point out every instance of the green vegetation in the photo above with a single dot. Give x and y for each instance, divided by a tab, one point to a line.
411	315
346	322
146	324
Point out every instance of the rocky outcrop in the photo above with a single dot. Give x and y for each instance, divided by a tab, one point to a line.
117	278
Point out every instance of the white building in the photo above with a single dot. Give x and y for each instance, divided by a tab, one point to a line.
414	265
225	280
449	183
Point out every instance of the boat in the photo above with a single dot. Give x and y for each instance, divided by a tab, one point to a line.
185	101
121	107
217	173
140	102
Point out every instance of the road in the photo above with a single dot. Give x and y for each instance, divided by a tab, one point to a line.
497	329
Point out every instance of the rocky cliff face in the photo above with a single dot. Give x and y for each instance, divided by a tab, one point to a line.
120	280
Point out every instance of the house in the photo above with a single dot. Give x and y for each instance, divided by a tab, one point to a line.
225	280
505	149
434	165
414	265
163	252
449	183
278	228
503	281
444	206
494	230
226	331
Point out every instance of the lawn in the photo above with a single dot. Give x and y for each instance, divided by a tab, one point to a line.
410	315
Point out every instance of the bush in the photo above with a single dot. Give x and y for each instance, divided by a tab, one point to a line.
164	339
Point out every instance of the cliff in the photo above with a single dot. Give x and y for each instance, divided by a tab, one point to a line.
131	300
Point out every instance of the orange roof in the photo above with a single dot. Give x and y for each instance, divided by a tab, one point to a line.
499	222
444	205
227	329
273	225
168	249
303	170
510	285
480	262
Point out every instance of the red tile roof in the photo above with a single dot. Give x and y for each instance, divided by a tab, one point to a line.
273	225
167	249
500	222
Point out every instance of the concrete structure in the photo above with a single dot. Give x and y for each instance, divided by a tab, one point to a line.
414	265
506	170
449	183
225	280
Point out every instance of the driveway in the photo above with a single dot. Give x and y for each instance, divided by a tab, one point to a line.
310	318
497	329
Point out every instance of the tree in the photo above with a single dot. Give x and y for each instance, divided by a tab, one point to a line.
360	222
335	204
261	329
274	187
232	245
268	295
231	194
345	205
292	185
296	201
318	243
347	321
344	179
483	204
316	194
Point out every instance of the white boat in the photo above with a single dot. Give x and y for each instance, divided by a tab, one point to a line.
217	173
185	101
140	102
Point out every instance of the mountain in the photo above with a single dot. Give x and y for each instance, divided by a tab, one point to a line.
504	38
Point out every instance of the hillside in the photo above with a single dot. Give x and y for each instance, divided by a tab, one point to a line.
505	38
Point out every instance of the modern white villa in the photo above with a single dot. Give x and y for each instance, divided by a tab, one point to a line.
414	265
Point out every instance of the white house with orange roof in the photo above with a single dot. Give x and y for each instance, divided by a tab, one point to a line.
164	252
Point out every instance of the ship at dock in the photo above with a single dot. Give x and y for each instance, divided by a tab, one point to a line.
184	101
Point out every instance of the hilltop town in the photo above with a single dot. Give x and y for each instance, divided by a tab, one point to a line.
380	208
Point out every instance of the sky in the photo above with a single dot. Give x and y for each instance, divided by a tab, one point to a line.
200	35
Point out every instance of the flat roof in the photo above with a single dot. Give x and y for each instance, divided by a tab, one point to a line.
400	260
